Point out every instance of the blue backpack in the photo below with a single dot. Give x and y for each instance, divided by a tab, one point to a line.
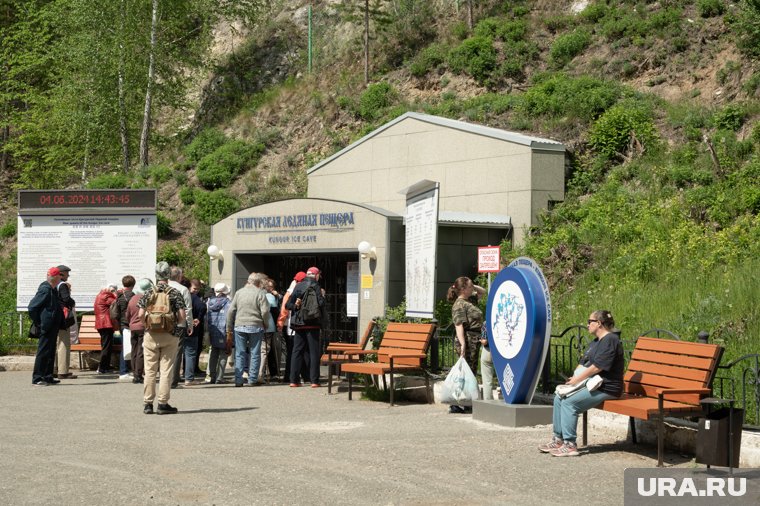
217	321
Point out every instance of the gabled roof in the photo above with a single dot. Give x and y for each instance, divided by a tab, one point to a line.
495	133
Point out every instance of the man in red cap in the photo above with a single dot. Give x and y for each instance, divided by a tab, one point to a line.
306	304
283	325
47	314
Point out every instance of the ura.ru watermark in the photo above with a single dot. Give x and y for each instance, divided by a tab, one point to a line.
694	487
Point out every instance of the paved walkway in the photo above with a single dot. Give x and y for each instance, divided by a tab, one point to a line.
86	441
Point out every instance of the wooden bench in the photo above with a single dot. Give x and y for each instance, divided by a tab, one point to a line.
335	352
403	349
664	377
89	339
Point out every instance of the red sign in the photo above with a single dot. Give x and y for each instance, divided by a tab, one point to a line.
488	259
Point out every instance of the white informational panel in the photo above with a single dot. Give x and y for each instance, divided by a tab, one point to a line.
421	238
98	249
352	289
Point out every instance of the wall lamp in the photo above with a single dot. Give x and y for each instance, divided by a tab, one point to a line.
214	253
366	250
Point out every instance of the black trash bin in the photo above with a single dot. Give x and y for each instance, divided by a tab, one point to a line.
713	438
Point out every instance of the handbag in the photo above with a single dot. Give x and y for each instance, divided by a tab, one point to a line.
34	331
69	317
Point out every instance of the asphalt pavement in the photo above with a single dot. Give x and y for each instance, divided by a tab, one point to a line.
87	441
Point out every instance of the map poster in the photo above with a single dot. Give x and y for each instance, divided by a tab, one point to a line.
98	249
421	239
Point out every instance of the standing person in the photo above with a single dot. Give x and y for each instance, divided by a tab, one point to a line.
275	300
486	368
184	328
105	326
283	325
268	342
63	355
160	346
604	357
468	323
249	315
46	312
122	301
199	320
305	305
217	333
137	330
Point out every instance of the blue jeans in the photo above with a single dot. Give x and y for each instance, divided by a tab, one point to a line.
191	347
250	340
566	411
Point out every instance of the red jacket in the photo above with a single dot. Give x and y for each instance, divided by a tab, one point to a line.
102	304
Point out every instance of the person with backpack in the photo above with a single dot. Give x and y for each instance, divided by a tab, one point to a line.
216	316
137	330
105	326
306	304
249	316
160	308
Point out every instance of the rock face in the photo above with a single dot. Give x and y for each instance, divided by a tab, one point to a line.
263	61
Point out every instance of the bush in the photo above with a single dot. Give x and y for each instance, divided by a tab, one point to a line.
747	28
187	196
594	12
163	225
205	143
730	117
476	56
377	97
159	174
710	8
109	181
221	167
568	46
583	98
9	229
212	207
174	254
428	59
611	133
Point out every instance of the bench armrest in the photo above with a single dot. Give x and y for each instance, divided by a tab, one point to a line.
662	392
406	354
342	346
351	351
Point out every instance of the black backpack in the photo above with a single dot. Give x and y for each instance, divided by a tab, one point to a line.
310	312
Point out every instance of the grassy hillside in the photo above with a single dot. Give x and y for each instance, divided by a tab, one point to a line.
656	101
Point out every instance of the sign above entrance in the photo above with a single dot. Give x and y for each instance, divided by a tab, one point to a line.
488	259
296	222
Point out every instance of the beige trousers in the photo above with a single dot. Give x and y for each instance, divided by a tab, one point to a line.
159	352
63	352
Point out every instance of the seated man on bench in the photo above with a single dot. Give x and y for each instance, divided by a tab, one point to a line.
603	360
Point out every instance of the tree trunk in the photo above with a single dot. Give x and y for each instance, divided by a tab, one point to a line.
5	135
145	136
122	102
366	42
469	14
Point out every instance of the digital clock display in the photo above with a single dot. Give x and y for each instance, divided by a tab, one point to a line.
39	200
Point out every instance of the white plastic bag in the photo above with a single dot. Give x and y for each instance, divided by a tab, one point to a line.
461	386
126	343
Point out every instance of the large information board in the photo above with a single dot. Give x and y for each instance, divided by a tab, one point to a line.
421	222
111	233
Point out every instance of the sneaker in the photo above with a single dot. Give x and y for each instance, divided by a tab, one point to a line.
53	381
208	380
190	383
40	383
165	409
238	384
455	410
68	375
568	449
125	377
554	444
148	409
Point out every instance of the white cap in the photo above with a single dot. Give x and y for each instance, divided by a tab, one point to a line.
221	288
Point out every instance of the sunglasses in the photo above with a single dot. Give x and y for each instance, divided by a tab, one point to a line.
592	321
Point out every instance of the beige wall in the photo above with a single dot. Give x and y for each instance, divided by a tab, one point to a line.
478	174
232	237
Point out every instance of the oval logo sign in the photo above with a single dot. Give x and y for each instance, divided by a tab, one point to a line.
519	328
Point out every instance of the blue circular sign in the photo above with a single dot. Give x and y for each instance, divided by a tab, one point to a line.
518	317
